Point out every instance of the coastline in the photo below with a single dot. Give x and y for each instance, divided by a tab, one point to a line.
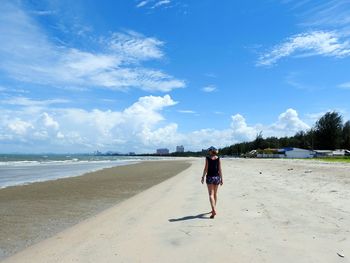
16	171
33	212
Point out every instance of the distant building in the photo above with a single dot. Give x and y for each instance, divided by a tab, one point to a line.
288	152
297	153
324	153
132	153
180	149
341	152
268	153
163	151
330	153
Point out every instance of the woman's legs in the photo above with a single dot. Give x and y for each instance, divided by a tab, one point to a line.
215	193
211	189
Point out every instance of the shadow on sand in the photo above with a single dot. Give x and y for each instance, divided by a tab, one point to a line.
200	216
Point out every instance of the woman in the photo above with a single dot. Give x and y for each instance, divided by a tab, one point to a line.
213	173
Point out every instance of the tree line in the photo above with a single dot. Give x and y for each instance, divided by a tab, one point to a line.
328	133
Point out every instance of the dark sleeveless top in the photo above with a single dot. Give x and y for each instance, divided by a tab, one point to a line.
213	167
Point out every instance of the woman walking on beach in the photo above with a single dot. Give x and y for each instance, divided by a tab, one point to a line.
212	172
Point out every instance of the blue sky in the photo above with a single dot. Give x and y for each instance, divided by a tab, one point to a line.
79	76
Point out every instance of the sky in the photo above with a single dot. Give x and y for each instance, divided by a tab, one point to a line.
137	75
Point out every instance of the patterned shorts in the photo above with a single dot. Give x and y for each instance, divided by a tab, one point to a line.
213	180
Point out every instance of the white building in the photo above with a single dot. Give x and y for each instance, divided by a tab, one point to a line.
324	153
290	152
163	151
180	149
341	152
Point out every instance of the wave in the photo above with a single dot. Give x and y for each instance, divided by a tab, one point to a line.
27	172
60	162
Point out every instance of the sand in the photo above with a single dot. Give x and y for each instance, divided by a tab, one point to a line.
34	212
268	211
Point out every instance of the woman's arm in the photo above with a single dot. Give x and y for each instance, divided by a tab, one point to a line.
220	173
205	171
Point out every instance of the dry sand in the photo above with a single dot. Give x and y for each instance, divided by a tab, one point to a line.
31	213
268	211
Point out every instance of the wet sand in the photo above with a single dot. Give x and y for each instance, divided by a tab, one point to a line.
34	212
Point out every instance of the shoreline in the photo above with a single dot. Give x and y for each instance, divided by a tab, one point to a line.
20	172
67	176
34	212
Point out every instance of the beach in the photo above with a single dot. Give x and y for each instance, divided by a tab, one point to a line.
30	213
268	211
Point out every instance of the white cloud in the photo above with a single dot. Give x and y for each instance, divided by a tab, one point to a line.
43	12
141	127
187	111
154	3
73	128
334	13
288	124
142	3
49	121
209	88
23	101
161	3
323	43
167	135
241	131
28	55
345	85
19	127
136	47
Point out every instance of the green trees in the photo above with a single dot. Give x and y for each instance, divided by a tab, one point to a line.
259	142
346	136
328	131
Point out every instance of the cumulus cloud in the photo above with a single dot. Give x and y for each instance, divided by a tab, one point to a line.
288	124
74	128
140	127
19	127
323	43
28	55
241	131
49	122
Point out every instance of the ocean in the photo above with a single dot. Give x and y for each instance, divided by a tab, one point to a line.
19	169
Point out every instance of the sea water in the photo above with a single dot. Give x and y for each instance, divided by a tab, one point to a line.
18	169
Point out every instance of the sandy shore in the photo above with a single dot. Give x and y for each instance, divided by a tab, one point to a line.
268	211
31	213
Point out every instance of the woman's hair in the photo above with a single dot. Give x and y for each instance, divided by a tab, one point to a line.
212	149
216	151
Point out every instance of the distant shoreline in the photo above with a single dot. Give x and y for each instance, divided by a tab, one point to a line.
27	169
